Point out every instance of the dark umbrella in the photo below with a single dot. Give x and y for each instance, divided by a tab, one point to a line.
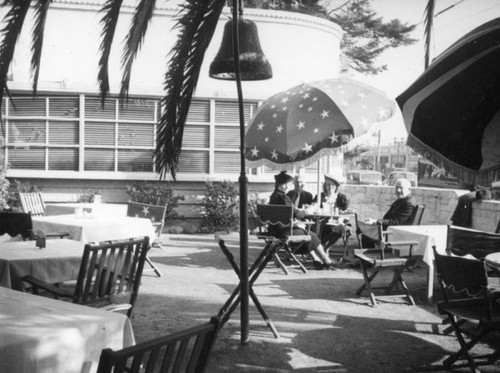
451	111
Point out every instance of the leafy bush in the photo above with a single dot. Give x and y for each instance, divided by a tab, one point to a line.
13	196
220	206
88	195
4	188
155	194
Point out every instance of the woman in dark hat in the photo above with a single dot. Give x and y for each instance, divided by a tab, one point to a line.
279	197
333	199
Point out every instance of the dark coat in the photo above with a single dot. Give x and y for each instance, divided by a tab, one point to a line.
306	198
341	202
400	212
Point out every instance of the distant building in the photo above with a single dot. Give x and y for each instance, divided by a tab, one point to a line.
63	139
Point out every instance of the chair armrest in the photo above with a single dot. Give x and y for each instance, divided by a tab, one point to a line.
117	307
38	284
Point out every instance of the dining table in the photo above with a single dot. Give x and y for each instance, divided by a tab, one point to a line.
427	236
58	261
42	335
95	227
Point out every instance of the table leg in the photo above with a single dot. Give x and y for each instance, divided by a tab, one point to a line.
254	272
430	281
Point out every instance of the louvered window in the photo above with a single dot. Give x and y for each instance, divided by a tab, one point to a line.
51	134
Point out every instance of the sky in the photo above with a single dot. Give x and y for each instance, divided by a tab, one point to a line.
405	64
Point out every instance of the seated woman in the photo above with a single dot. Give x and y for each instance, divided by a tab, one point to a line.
279	197
332	198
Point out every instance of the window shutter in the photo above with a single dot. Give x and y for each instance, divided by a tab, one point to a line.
27	158
63	133
196	136
63	159
66	107
99	133
27	107
199	111
195	162
135	160
93	108
135	134
22	131
137	109
227	137
99	160
227	162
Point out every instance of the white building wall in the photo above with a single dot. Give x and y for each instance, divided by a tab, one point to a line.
300	48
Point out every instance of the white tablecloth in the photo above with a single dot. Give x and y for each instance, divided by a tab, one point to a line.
42	335
59	261
426	236
95	228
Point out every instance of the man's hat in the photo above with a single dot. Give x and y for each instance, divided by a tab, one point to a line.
332	180
283	178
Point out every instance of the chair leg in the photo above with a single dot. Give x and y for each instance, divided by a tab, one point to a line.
367	283
153	267
295	259
279	263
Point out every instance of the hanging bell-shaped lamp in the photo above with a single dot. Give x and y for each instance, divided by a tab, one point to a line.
253	63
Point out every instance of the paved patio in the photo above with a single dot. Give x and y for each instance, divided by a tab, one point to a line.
324	327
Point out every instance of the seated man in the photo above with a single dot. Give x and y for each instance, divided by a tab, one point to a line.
462	216
336	200
279	197
298	195
400	213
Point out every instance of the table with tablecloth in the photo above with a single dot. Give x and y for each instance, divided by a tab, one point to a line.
95	228
39	334
59	261
426	236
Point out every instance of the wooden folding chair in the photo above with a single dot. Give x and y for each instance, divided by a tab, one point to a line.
467	296
185	351
156	214
109	276
32	203
282	216
384	256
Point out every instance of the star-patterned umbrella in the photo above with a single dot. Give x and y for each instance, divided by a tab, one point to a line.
298	126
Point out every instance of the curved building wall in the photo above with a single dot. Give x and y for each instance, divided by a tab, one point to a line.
63	138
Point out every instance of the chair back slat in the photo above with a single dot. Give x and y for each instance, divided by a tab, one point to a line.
32	203
463	241
277	215
184	351
111	270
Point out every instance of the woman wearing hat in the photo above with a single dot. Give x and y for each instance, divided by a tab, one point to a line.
332	198
279	197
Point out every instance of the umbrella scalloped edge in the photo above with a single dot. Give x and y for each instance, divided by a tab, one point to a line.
304	163
465	175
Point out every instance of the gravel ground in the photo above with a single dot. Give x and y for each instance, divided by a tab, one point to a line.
323	326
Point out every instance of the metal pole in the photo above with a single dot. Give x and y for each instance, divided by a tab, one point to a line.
243	181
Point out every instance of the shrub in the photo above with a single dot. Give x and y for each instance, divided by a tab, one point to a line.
4	188
19	187
220	206
88	195
155	194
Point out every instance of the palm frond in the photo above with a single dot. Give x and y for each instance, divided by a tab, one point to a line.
14	21
111	10
196	29
428	22
41	10
138	28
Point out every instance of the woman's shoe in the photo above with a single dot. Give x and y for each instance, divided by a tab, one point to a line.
318	265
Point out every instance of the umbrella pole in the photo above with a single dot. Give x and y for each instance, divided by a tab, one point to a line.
243	182
318	181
